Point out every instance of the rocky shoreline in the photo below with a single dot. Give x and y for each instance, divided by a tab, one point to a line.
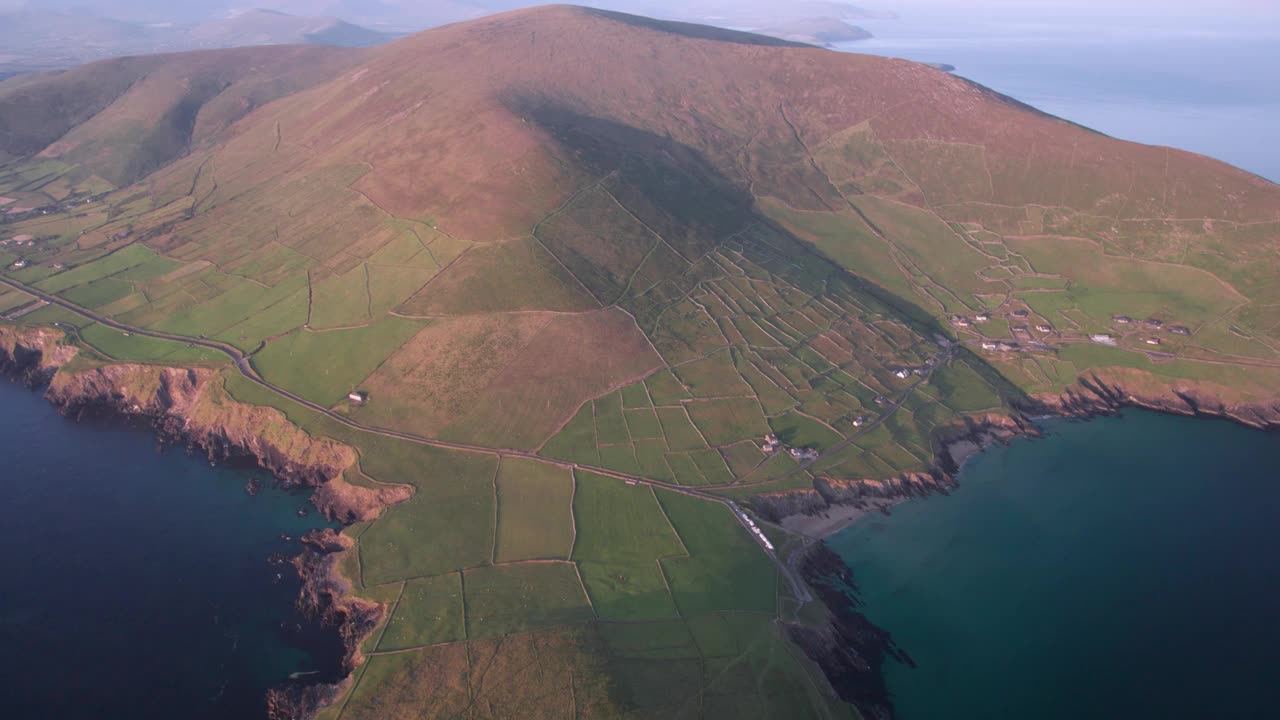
184	406
851	649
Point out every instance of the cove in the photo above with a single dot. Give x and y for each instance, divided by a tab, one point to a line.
136	583
1117	568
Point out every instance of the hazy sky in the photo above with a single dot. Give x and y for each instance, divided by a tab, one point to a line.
416	12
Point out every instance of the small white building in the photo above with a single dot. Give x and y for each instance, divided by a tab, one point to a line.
989	345
902	373
982	317
1152	341
1122	319
1102	339
19	264
1044	328
356	397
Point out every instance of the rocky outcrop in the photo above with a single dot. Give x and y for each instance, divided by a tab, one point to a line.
326	597
33	355
1098	396
186	405
189	406
849	648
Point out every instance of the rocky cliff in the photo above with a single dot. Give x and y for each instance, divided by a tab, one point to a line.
33	354
1108	392
189	406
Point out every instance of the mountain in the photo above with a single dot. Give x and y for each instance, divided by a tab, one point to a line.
40	39
268	27
554	275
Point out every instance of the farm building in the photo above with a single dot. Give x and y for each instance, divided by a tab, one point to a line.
1180	330
1044	328
983	317
1122	319
358	397
1102	339
1152	341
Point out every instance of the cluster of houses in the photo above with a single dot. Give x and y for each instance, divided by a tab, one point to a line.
19	240
1153	324
962	321
772	445
1000	346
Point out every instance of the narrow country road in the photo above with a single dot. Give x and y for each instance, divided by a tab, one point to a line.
245	366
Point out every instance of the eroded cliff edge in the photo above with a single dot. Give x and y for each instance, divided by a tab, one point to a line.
188	406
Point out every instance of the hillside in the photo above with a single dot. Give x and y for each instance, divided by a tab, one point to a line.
574	265
39	39
122	119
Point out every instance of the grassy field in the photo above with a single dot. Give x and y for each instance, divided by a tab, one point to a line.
622	534
453	490
506	599
725	569
324	366
428	611
535	512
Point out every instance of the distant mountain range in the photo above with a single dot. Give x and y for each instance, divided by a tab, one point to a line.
37	39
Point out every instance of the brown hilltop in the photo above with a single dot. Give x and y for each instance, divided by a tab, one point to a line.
444	122
127	117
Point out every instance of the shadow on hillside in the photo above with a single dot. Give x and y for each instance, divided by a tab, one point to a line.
695	206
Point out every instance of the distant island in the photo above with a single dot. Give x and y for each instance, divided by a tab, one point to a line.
817	31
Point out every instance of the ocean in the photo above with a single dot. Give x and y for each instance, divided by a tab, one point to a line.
1118	568
137	583
1208	87
1123	567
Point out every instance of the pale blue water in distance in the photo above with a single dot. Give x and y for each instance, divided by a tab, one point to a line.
136	584
1124	567
1212	87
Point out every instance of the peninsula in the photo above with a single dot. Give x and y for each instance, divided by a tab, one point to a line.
589	326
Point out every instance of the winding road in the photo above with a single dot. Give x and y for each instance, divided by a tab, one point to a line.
244	364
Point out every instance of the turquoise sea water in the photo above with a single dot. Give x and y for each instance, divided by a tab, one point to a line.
135	583
1124	567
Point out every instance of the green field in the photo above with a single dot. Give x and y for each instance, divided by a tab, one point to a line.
324	366
428	611
508	599
535	515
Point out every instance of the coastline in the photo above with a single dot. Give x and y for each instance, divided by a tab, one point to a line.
184	406
851	650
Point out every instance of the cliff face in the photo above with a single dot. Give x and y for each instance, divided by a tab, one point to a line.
1098	395
32	355
189	406
184	405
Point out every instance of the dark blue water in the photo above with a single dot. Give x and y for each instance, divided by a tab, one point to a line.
133	583
1120	568
1206	84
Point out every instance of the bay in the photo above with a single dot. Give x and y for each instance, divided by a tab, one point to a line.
136	583
1118	568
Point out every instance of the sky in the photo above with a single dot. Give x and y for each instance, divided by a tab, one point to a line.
412	12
